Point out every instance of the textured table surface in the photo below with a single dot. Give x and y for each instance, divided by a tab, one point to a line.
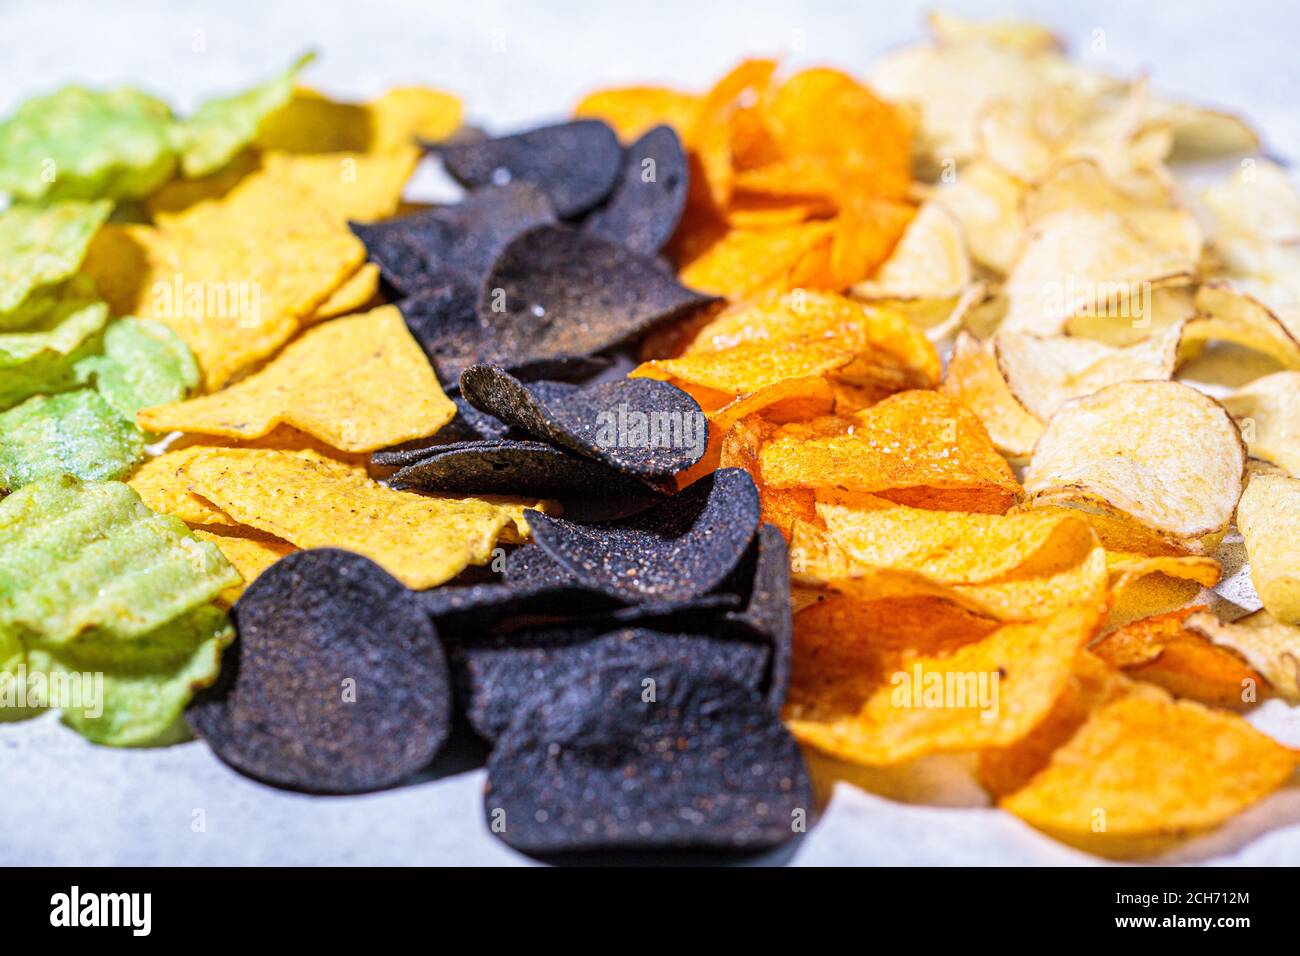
513	63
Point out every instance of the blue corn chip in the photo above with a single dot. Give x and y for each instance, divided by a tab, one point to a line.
574	164
647	204
644	754
677	550
637	426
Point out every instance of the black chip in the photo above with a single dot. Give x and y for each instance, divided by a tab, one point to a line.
575	164
557	291
646	206
337	683
594	765
638	426
588	490
497	675
674	551
458	242
767	612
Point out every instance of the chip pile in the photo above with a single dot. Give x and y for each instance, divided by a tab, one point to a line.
950	398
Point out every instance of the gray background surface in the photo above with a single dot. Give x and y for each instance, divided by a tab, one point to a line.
68	802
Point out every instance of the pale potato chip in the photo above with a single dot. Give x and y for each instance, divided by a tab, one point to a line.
974	379
1259	201
929	262
1268	645
421	540
1268	517
1200	133
1044	372
1142	771
1232	316
917	447
1163	307
986	202
987	693
1268	413
1015	34
357	383
1081	262
1160	453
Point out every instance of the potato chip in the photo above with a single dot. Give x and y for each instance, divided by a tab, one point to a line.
1044	372
86	144
312	123
866	229
709	137
1258	201
1161	453
1268	516
742	262
44	357
1268	645
747	368
143	363
358	383
986	203
221	127
974	379
741	448
1232	316
421	540
1141	771
1014	34
1152	313
76	433
987	693
249	554
87	559
917	448
1161	650
41	246
1268	412
929	262
633	111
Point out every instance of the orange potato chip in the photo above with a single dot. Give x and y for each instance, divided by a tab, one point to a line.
742	262
1162	650
1270	646
747	368
918	448
421	540
634	110
250	556
357	383
973	378
1142	771
990	692
741	446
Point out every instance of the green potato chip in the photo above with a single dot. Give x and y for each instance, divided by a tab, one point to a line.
41	246
144	363
75	432
220	128
87	144
43	357
87	560
131	693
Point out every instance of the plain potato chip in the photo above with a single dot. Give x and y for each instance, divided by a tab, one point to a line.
917	448
312	503
1268	517
1259	201
929	262
41	246
989	692
1227	314
1270	646
1141	771
986	202
974	379
1162	650
357	383
1268	412
82	558
1160	453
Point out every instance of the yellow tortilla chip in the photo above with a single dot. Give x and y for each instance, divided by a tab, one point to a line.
312	123
1161	453
1268	413
987	693
1268	516
357	383
974	379
917	448
354	293
250	555
421	540
1141	771
353	187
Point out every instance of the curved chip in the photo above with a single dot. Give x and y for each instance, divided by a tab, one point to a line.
1268	517
575	164
929	262
1268	645
1268	412
674	551
43	245
643	211
77	433
974	379
636	426
337	684
702	763
358	383
1161	453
